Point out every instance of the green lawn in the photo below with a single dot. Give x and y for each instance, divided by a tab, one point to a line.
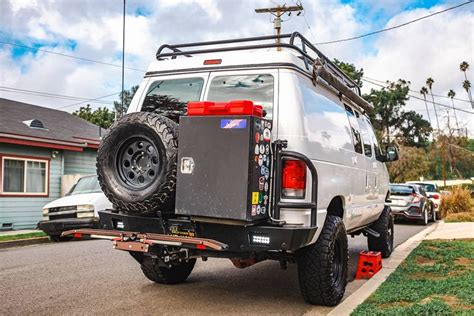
22	236
437	278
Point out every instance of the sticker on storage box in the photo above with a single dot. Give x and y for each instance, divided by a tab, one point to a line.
255	196
230	124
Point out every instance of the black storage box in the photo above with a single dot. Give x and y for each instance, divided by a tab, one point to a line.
224	166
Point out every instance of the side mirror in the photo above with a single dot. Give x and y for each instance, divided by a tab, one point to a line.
391	153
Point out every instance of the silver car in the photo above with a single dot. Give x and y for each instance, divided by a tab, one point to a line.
410	201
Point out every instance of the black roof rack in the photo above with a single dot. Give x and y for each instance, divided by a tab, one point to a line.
305	50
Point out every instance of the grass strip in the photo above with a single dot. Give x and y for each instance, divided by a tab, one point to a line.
435	279
22	236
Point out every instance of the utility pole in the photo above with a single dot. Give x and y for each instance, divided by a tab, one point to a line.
277	12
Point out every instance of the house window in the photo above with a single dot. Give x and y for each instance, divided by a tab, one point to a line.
24	176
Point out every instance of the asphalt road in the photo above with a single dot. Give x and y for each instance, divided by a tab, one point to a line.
89	277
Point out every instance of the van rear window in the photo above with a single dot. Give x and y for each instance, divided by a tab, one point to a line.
257	88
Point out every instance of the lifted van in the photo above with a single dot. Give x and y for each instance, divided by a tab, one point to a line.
246	149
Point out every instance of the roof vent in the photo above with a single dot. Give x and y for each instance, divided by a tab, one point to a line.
34	123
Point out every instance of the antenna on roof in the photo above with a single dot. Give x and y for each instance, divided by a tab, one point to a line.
277	12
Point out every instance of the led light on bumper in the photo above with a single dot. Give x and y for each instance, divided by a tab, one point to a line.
258	239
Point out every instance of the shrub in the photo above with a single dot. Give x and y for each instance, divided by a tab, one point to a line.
456	202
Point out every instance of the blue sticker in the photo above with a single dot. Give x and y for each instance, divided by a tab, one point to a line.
239	123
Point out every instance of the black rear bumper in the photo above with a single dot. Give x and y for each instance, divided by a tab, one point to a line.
238	238
57	226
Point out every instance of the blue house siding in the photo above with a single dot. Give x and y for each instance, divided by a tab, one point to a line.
25	212
80	162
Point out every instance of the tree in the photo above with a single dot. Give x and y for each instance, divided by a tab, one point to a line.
452	94
127	99
464	66
424	92
413	129
429	83
351	71
412	164
101	117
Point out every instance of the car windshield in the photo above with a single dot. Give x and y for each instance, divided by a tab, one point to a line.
86	185
428	187
401	190
257	88
171	97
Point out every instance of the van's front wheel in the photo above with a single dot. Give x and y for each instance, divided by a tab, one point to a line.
322	267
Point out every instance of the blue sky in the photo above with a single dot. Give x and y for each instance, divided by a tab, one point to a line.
432	47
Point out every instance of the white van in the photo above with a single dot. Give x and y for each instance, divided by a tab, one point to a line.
275	159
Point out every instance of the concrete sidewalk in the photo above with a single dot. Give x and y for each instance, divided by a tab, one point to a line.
452	231
18	232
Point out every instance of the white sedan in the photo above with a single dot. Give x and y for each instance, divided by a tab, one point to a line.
78	209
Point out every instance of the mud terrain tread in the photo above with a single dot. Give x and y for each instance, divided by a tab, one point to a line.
174	275
381	226
163	198
314	268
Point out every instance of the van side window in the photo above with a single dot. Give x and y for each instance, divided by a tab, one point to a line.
364	129
354	129
325	120
374	139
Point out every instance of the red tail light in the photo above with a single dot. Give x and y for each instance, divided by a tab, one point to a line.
435	196
293	178
416	198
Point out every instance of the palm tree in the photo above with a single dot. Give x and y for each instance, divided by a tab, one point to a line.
464	66
424	92
429	83
452	94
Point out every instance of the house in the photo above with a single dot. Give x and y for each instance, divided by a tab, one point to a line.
38	146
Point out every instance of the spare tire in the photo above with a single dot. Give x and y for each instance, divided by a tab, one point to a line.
136	164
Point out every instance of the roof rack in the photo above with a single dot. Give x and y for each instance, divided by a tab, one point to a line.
321	65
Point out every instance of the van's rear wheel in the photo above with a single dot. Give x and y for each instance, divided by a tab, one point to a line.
322	267
176	274
136	163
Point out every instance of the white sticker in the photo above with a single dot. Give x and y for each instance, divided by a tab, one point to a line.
258	209
262	148
260	160
263	210
267	149
254	210
257	149
266	187
267	135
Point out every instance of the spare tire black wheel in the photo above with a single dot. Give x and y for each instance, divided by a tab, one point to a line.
136	164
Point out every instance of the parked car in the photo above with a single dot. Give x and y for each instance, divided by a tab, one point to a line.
78	209
277	160
410	201
434	195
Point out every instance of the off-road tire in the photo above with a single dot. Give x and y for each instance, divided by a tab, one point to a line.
174	275
385	227
321	281
160	193
434	218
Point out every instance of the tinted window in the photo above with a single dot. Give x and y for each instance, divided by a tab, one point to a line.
325	120
364	129
428	187
257	88
401	190
171	97
370	130
355	129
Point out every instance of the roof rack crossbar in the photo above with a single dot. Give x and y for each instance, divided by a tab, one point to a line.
177	50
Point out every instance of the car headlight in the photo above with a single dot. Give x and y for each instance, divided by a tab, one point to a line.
85	211
45	211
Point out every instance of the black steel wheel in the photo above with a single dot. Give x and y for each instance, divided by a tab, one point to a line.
323	266
136	164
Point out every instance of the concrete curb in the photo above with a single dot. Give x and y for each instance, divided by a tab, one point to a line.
23	242
389	265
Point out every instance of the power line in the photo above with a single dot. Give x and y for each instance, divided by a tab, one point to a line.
415	97
104	96
396	26
68	56
48	95
436	95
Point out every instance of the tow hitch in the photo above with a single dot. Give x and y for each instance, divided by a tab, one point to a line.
141	242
